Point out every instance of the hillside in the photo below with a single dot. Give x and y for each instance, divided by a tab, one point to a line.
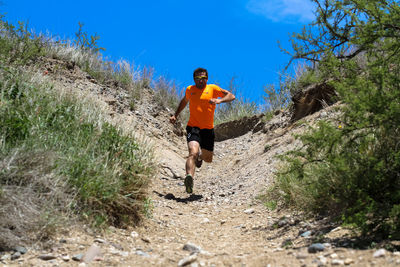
222	223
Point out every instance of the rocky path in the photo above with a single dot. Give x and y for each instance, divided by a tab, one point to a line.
221	224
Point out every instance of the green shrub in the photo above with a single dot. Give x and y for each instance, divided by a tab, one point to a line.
103	167
350	167
17	44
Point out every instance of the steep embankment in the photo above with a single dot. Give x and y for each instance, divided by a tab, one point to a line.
222	223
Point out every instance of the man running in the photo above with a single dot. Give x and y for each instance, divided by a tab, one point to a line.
202	98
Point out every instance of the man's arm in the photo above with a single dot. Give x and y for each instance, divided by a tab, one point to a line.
228	97
181	106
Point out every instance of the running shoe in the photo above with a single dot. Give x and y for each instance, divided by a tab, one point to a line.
189	184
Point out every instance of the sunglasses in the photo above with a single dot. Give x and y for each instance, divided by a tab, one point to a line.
200	78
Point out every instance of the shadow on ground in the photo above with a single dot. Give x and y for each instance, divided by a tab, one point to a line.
170	196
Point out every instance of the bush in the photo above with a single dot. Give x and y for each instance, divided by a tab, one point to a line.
63	160
17	44
350	167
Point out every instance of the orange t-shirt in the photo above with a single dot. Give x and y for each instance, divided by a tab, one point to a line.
201	111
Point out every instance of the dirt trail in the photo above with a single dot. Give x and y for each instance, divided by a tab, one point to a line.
222	223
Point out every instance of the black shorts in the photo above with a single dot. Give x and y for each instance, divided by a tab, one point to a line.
205	137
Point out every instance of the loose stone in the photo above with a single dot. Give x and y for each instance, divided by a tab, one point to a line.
47	257
77	257
306	234
337	262
314	248
249	211
192	248
134	235
15	256
21	250
187	260
380	253
65	258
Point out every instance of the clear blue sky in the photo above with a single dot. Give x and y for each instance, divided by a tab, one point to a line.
228	37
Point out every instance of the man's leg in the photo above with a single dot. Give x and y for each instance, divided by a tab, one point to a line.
206	155
194	148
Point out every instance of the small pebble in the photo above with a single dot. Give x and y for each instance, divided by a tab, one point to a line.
249	211
47	257
314	248
337	262
306	234
380	253
15	256
348	261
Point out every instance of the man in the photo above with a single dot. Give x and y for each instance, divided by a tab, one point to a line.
202	99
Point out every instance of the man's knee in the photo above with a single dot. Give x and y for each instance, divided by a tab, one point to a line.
193	154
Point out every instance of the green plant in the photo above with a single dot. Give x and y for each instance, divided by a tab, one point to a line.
278	97
267	147
166	93
85	42
351	169
59	156
17	44
148	207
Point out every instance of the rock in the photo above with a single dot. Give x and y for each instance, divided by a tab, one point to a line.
47	257
334	256
117	246
145	239
314	248
91	253
99	240
249	211
337	262
348	261
187	260
5	257
15	256
205	220
322	260
336	229
21	250
282	223
192	248
77	257
65	258
142	253
134	235
380	253
306	234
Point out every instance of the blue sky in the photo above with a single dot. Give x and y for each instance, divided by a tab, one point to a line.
235	38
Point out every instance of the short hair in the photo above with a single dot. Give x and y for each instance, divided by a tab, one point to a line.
198	70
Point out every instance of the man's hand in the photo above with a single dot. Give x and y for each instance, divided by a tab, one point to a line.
215	101
172	119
